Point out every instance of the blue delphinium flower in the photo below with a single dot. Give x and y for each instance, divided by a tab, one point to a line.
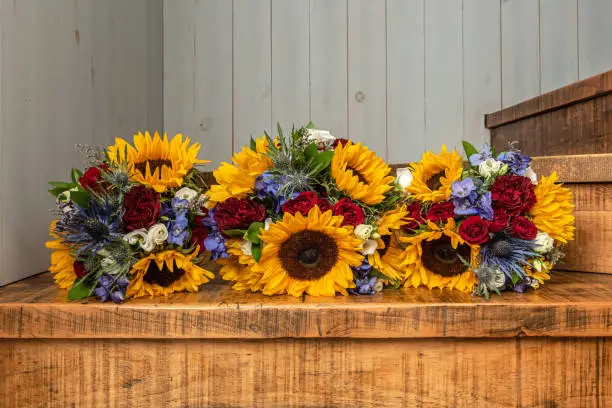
517	161
109	288
484	154
178	231
90	229
269	185
215	241
509	254
365	284
180	205
484	206
464	197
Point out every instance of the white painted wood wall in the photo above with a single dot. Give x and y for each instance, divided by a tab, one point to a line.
400	75
71	71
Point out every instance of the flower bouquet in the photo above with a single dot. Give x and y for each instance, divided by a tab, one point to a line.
488	226
129	226
305	213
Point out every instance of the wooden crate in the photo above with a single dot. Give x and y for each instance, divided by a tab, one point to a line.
590	179
218	347
576	119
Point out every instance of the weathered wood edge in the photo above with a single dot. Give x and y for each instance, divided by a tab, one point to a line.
589	88
582	168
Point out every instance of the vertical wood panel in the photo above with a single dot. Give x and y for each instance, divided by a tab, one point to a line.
558	43
405	80
290	63
252	70
443	76
520	51
213	80
367	74
595	33
481	66
179	67
328	65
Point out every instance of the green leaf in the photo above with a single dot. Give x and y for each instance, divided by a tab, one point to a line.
321	161
310	125
76	175
81	198
56	191
82	288
469	149
256	251
253	144
253	232
311	151
235	233
515	278
62	184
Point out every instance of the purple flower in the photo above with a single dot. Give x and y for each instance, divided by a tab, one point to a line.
464	197
517	161
180	205
365	286
166	210
111	288
464	189
482	155
177	233
484	207
268	186
215	241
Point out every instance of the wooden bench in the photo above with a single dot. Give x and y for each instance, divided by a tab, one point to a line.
219	347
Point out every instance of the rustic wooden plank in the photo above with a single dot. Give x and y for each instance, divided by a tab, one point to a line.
585	168
590	250
571	304
595	86
306	373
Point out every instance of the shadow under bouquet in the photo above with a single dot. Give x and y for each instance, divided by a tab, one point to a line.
129	225
306	213
488	226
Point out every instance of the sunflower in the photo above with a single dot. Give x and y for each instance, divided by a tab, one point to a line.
238	179
238	268
311	254
387	258
156	162
166	272
434	175
360	174
433	258
62	262
552	212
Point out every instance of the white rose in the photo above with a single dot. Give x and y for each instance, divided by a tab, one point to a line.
158	234
369	246
404	177
529	173
543	243
319	136
246	247
186	193
363	231
490	167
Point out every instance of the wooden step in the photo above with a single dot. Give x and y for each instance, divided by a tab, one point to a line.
590	179
218	347
575	119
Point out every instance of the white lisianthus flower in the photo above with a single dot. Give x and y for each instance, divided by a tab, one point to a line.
140	237
267	224
369	246
322	138
246	247
363	231
531	175
158	234
404	177
490	167
543	243
186	193
378	286
499	281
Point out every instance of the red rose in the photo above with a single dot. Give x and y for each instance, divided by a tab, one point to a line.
79	269
514	194
92	178
500	221
339	141
141	208
474	230
414	212
441	212
324	205
353	214
235	213
302	203
522	228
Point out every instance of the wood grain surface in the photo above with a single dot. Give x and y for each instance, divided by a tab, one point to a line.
582	168
572	304
521	372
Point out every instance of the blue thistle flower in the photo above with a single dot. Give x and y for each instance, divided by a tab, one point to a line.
509	254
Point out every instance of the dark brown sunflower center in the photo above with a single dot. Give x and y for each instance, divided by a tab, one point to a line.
308	255
434	182
387	240
441	258
358	174
163	277
153	165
